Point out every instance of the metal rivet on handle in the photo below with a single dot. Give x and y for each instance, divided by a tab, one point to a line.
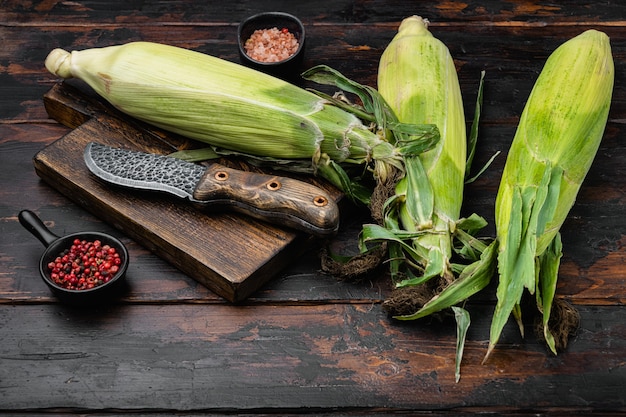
320	201
221	175
273	185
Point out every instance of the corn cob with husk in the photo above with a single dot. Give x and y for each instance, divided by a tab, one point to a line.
227	105
418	79
558	135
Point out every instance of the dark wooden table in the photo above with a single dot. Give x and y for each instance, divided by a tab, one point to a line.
306	343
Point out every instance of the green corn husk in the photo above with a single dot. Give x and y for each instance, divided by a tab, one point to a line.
226	105
556	141
423	229
418	79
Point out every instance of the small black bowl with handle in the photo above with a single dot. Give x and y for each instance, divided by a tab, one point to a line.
288	68
55	245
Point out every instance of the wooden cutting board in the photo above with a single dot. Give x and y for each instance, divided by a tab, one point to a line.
229	253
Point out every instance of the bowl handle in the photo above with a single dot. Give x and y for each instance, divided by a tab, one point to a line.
34	225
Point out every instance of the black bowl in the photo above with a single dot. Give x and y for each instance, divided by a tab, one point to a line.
287	68
55	245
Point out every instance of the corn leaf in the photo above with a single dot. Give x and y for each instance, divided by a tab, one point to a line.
549	263
375	105
412	140
551	201
531	209
471	224
420	201
472	139
463	321
512	270
195	155
334	173
373	233
373	102
470	246
483	169
474	278
343	104
435	263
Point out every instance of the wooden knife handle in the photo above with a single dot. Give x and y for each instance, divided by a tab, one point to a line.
277	199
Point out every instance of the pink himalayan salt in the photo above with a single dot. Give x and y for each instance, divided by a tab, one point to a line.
271	45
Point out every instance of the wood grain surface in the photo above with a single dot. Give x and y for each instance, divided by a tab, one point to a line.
305	343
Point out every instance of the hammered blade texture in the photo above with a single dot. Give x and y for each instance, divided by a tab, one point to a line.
143	170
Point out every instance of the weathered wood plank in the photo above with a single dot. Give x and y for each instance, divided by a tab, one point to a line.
149	12
189	357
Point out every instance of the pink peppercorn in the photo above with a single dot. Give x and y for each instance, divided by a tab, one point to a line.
84	265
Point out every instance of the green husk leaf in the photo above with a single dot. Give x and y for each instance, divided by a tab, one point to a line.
334	173
374	109
355	109
472	139
395	260
413	140
551	201
195	155
511	272
517	263
470	247
420	202
463	322
400	252
549	263
471	224
373	233
474	278
483	169
373	102
464	233
434	267
390	208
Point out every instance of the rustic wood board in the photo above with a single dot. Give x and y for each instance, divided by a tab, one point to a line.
231	254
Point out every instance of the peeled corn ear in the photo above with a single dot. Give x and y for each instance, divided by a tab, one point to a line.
556	141
220	103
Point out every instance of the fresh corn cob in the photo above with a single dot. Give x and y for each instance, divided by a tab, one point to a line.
418	79
556	141
222	103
